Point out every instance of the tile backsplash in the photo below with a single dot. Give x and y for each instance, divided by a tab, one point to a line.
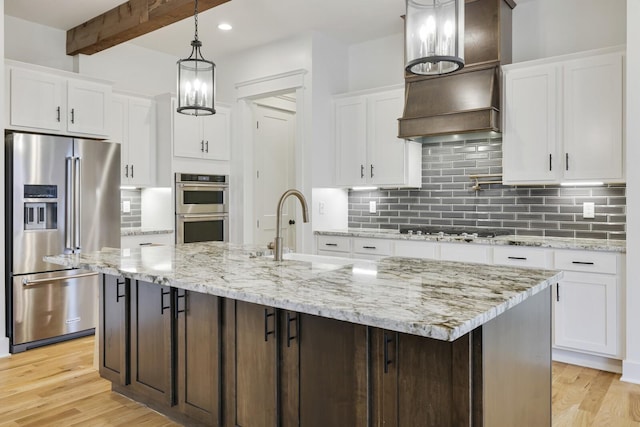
447	199
133	218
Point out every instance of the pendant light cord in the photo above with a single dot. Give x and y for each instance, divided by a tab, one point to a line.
195	17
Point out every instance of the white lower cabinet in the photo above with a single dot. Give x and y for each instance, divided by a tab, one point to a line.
372	248
587	303
424	250
142	240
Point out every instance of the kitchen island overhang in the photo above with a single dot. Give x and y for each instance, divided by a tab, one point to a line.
494	322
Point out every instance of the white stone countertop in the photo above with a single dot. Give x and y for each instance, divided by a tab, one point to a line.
140	231
512	240
441	300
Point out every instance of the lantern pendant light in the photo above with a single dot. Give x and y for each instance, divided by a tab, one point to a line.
434	36
196	80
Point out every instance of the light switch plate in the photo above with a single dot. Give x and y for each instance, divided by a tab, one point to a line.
588	210
126	206
321	208
372	206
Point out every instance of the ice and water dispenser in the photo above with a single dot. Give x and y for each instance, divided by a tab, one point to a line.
43	214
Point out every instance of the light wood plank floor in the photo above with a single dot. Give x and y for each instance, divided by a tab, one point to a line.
57	386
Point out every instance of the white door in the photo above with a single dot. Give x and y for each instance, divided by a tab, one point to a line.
119	123
216	134
88	104
531	125
187	136
142	125
36	100
585	313
351	141
385	151
593	115
274	173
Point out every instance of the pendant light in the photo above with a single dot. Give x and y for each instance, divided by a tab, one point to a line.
434	36
196	80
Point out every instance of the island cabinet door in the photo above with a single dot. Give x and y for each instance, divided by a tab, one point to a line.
113	329
251	382
198	356
151	318
331	372
420	382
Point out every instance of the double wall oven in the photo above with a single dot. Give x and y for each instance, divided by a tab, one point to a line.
202	213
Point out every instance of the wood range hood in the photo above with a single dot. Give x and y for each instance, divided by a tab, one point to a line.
467	101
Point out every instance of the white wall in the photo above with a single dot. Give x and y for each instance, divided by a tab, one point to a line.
36	44
631	365
132	68
544	28
335	208
377	63
4	342
157	208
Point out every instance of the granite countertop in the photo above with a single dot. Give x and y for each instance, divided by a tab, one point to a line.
512	240
140	231
441	300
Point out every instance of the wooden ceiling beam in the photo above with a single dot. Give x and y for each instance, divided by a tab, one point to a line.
130	20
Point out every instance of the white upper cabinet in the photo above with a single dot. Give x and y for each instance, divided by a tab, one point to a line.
563	120
368	150
133	124
203	137
593	121
531	126
56	102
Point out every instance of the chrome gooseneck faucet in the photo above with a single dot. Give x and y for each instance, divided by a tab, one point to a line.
277	255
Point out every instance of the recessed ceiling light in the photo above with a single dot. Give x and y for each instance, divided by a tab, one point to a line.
225	26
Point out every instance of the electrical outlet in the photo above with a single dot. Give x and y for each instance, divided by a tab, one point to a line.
126	206
372	206
588	210
321	208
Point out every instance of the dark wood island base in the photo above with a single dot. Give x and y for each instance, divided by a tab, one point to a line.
205	360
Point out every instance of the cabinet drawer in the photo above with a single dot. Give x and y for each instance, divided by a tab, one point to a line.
424	250
592	262
334	244
522	257
464	252
372	246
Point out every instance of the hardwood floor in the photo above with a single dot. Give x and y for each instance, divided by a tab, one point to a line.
58	386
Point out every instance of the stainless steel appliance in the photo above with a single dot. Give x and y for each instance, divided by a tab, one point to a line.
62	196
202	213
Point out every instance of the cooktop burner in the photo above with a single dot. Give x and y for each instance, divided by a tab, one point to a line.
443	231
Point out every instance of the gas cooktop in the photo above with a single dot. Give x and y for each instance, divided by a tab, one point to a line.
444	231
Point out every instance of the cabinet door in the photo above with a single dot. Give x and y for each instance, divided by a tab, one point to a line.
529	141
113	329
332	375
351	141
593	122
141	140
256	361
585	313
151	341
119	123
87	107
198	349
188	140
417	381
386	154
37	100
216	135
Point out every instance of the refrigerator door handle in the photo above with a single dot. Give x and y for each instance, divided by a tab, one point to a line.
77	204
69	205
27	282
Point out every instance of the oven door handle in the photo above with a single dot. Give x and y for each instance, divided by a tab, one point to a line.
203	216
200	187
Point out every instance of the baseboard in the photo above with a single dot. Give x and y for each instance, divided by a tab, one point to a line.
630	372
587	360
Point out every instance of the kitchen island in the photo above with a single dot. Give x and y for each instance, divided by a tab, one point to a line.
215	333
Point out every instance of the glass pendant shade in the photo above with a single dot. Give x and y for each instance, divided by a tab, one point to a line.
434	36
196	84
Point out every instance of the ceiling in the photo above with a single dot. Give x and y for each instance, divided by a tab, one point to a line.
255	22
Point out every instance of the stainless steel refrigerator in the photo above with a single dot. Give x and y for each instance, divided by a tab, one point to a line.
62	196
